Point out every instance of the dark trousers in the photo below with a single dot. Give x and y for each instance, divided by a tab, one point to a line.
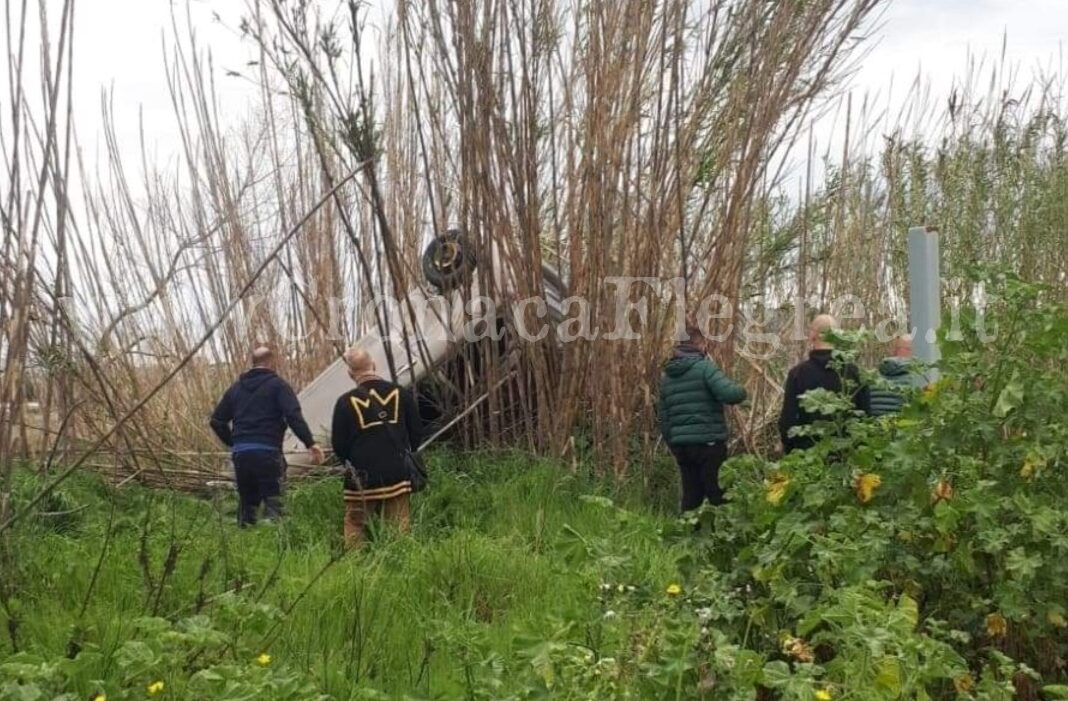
793	443
259	481
699	469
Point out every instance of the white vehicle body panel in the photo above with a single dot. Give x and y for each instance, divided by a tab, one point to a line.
432	328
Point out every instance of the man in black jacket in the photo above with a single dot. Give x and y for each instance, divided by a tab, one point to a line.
817	372
251	418
374	425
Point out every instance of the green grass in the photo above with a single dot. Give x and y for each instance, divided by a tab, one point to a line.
503	549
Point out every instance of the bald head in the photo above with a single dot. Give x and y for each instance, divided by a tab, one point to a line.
360	362
818	329
262	357
901	346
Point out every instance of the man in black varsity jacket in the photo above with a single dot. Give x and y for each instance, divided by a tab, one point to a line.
373	426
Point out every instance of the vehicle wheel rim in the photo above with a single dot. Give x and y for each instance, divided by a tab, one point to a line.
447	255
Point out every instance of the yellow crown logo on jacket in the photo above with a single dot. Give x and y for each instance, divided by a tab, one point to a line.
388	408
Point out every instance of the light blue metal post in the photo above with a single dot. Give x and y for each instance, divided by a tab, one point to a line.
925	297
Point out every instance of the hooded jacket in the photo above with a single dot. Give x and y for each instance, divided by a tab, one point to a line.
817	372
900	377
693	391
256	410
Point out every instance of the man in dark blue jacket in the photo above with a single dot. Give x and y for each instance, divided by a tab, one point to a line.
251	418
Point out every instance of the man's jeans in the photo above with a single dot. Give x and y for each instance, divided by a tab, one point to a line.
259	474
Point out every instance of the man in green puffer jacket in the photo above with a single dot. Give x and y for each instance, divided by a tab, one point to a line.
693	392
899	377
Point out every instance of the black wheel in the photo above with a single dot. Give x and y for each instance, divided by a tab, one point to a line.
448	260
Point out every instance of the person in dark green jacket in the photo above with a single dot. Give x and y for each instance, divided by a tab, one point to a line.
899	379
693	392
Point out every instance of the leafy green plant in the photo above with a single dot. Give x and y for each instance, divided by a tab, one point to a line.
921	556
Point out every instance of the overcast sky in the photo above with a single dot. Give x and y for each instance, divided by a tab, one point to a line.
119	48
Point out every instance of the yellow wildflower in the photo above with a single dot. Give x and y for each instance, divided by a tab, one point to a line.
996	625
100	697
776	488
824	694
154	688
263	659
673	590
1056	619
964	684
865	485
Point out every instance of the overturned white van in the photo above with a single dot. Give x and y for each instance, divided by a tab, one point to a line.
428	327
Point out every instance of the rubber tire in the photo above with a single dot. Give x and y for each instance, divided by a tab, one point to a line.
448	260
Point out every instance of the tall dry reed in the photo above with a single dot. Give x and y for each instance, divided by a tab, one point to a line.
605	139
